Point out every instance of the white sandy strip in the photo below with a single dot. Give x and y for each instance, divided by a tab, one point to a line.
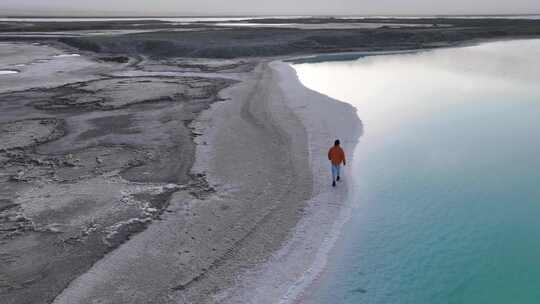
8	72
294	267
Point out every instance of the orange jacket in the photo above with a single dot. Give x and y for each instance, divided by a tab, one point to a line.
336	155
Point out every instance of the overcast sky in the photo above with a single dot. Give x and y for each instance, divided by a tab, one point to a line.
270	7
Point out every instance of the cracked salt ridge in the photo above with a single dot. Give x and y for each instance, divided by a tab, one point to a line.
8	72
66	55
117	234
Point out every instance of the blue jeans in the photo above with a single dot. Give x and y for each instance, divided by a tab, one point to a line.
335	171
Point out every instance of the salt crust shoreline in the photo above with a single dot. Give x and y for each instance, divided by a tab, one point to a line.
293	268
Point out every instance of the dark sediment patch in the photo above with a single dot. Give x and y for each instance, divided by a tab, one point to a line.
205	66
117	59
117	124
359	290
258	42
45	26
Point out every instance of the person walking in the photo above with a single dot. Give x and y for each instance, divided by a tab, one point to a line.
336	156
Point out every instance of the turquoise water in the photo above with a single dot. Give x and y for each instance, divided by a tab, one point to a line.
446	188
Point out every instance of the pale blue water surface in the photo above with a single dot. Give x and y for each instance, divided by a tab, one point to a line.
446	182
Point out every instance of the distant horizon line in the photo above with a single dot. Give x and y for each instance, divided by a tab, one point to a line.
263	15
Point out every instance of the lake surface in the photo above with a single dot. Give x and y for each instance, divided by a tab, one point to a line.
446	188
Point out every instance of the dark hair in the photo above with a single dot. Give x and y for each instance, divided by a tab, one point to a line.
336	142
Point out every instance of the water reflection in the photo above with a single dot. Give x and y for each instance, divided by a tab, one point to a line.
445	176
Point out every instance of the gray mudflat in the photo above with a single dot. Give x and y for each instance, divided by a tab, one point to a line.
87	164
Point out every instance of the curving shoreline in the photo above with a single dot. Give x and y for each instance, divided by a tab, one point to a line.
293	267
339	120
